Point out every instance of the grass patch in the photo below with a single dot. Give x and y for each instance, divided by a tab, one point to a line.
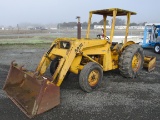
32	40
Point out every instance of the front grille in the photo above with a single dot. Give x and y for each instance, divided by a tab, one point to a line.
65	45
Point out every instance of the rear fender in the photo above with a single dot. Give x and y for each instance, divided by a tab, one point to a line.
126	44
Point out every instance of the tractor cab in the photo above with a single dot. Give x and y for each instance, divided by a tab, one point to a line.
112	12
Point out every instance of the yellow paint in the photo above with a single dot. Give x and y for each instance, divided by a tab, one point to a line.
93	77
89	24
126	44
104	26
75	64
136	62
127	28
149	62
113	24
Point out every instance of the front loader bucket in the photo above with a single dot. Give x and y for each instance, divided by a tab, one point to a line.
33	94
149	63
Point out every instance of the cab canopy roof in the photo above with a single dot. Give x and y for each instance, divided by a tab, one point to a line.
109	12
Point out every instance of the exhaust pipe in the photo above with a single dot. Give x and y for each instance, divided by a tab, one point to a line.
78	28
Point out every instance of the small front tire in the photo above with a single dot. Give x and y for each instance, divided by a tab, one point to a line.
90	76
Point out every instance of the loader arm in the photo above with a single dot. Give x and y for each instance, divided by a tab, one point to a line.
66	58
45	61
64	66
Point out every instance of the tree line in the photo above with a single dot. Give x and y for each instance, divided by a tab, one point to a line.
119	22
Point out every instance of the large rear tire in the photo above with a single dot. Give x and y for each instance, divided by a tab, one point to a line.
131	61
90	77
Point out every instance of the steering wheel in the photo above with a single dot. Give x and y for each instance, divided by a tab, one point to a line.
107	37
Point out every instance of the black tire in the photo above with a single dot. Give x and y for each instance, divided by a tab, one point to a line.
131	61
157	48
91	72
54	65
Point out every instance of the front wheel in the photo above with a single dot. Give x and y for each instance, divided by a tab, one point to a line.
90	77
157	48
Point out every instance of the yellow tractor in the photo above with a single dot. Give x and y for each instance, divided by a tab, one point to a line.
35	93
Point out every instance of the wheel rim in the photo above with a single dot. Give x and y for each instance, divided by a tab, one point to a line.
157	48
136	62
93	77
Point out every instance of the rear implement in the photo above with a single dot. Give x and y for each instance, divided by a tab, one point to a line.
149	63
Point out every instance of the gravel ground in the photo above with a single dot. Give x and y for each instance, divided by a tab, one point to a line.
117	98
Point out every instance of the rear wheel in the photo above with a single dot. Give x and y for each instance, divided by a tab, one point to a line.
90	77
157	48
131	61
54	65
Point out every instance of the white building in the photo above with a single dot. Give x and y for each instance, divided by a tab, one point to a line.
101	26
118	27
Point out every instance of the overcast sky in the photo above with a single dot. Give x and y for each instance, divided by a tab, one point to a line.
14	12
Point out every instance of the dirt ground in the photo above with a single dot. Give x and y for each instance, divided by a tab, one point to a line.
118	98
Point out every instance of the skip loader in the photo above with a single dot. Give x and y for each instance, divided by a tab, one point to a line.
35	93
